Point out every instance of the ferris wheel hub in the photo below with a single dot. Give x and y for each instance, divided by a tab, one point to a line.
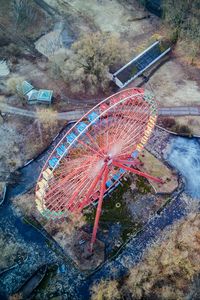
108	160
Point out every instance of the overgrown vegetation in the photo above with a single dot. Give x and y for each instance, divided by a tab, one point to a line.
184	18
167	269
24	13
13	84
47	117
47	121
106	290
172	124
86	66
11	251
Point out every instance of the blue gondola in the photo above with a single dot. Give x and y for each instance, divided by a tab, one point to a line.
109	183
52	162
116	176
135	154
81	126
61	150
92	117
70	137
122	171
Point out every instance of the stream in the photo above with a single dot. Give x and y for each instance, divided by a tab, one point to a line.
183	154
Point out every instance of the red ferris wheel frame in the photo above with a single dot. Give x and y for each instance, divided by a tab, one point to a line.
93	155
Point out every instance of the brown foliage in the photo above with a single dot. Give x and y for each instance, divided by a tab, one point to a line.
184	20
105	290
167	122
47	117
9	249
12	83
170	265
66	227
24	204
86	66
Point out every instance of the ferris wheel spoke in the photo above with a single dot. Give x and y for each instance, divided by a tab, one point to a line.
90	148
119	165
133	132
98	212
92	187
58	184
95	143
69	188
118	116
133	162
130	125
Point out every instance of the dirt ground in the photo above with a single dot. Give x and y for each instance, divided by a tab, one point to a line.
156	168
175	84
119	17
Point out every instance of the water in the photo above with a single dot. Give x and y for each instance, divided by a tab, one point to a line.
184	155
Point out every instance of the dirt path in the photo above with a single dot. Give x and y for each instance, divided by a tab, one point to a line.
70	115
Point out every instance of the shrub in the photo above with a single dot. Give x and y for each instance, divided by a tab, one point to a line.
86	66
24	13
184	20
105	290
12	84
182	129
167	122
24	204
9	250
170	265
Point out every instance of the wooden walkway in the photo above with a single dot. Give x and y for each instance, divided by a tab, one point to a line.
179	111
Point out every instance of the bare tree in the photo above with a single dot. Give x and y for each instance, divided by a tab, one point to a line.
86	66
24	13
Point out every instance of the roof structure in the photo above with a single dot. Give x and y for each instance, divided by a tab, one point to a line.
4	70
139	64
34	96
25	87
45	96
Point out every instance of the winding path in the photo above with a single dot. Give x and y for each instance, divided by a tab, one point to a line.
77	114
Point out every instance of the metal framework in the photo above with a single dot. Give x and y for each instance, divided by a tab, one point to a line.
95	153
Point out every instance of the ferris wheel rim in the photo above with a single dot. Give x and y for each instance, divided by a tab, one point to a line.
91	124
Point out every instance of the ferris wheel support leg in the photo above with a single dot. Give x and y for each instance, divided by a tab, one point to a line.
98	212
129	162
91	189
156	179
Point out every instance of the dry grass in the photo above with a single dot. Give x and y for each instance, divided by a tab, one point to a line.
24	204
171	264
47	116
10	249
156	168
10	154
64	231
105	290
12	83
193	123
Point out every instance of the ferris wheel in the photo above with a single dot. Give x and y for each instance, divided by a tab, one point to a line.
95	153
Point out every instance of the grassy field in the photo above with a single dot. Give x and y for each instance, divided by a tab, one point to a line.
156	168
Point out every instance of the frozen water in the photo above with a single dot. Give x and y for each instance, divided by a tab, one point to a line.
184	155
